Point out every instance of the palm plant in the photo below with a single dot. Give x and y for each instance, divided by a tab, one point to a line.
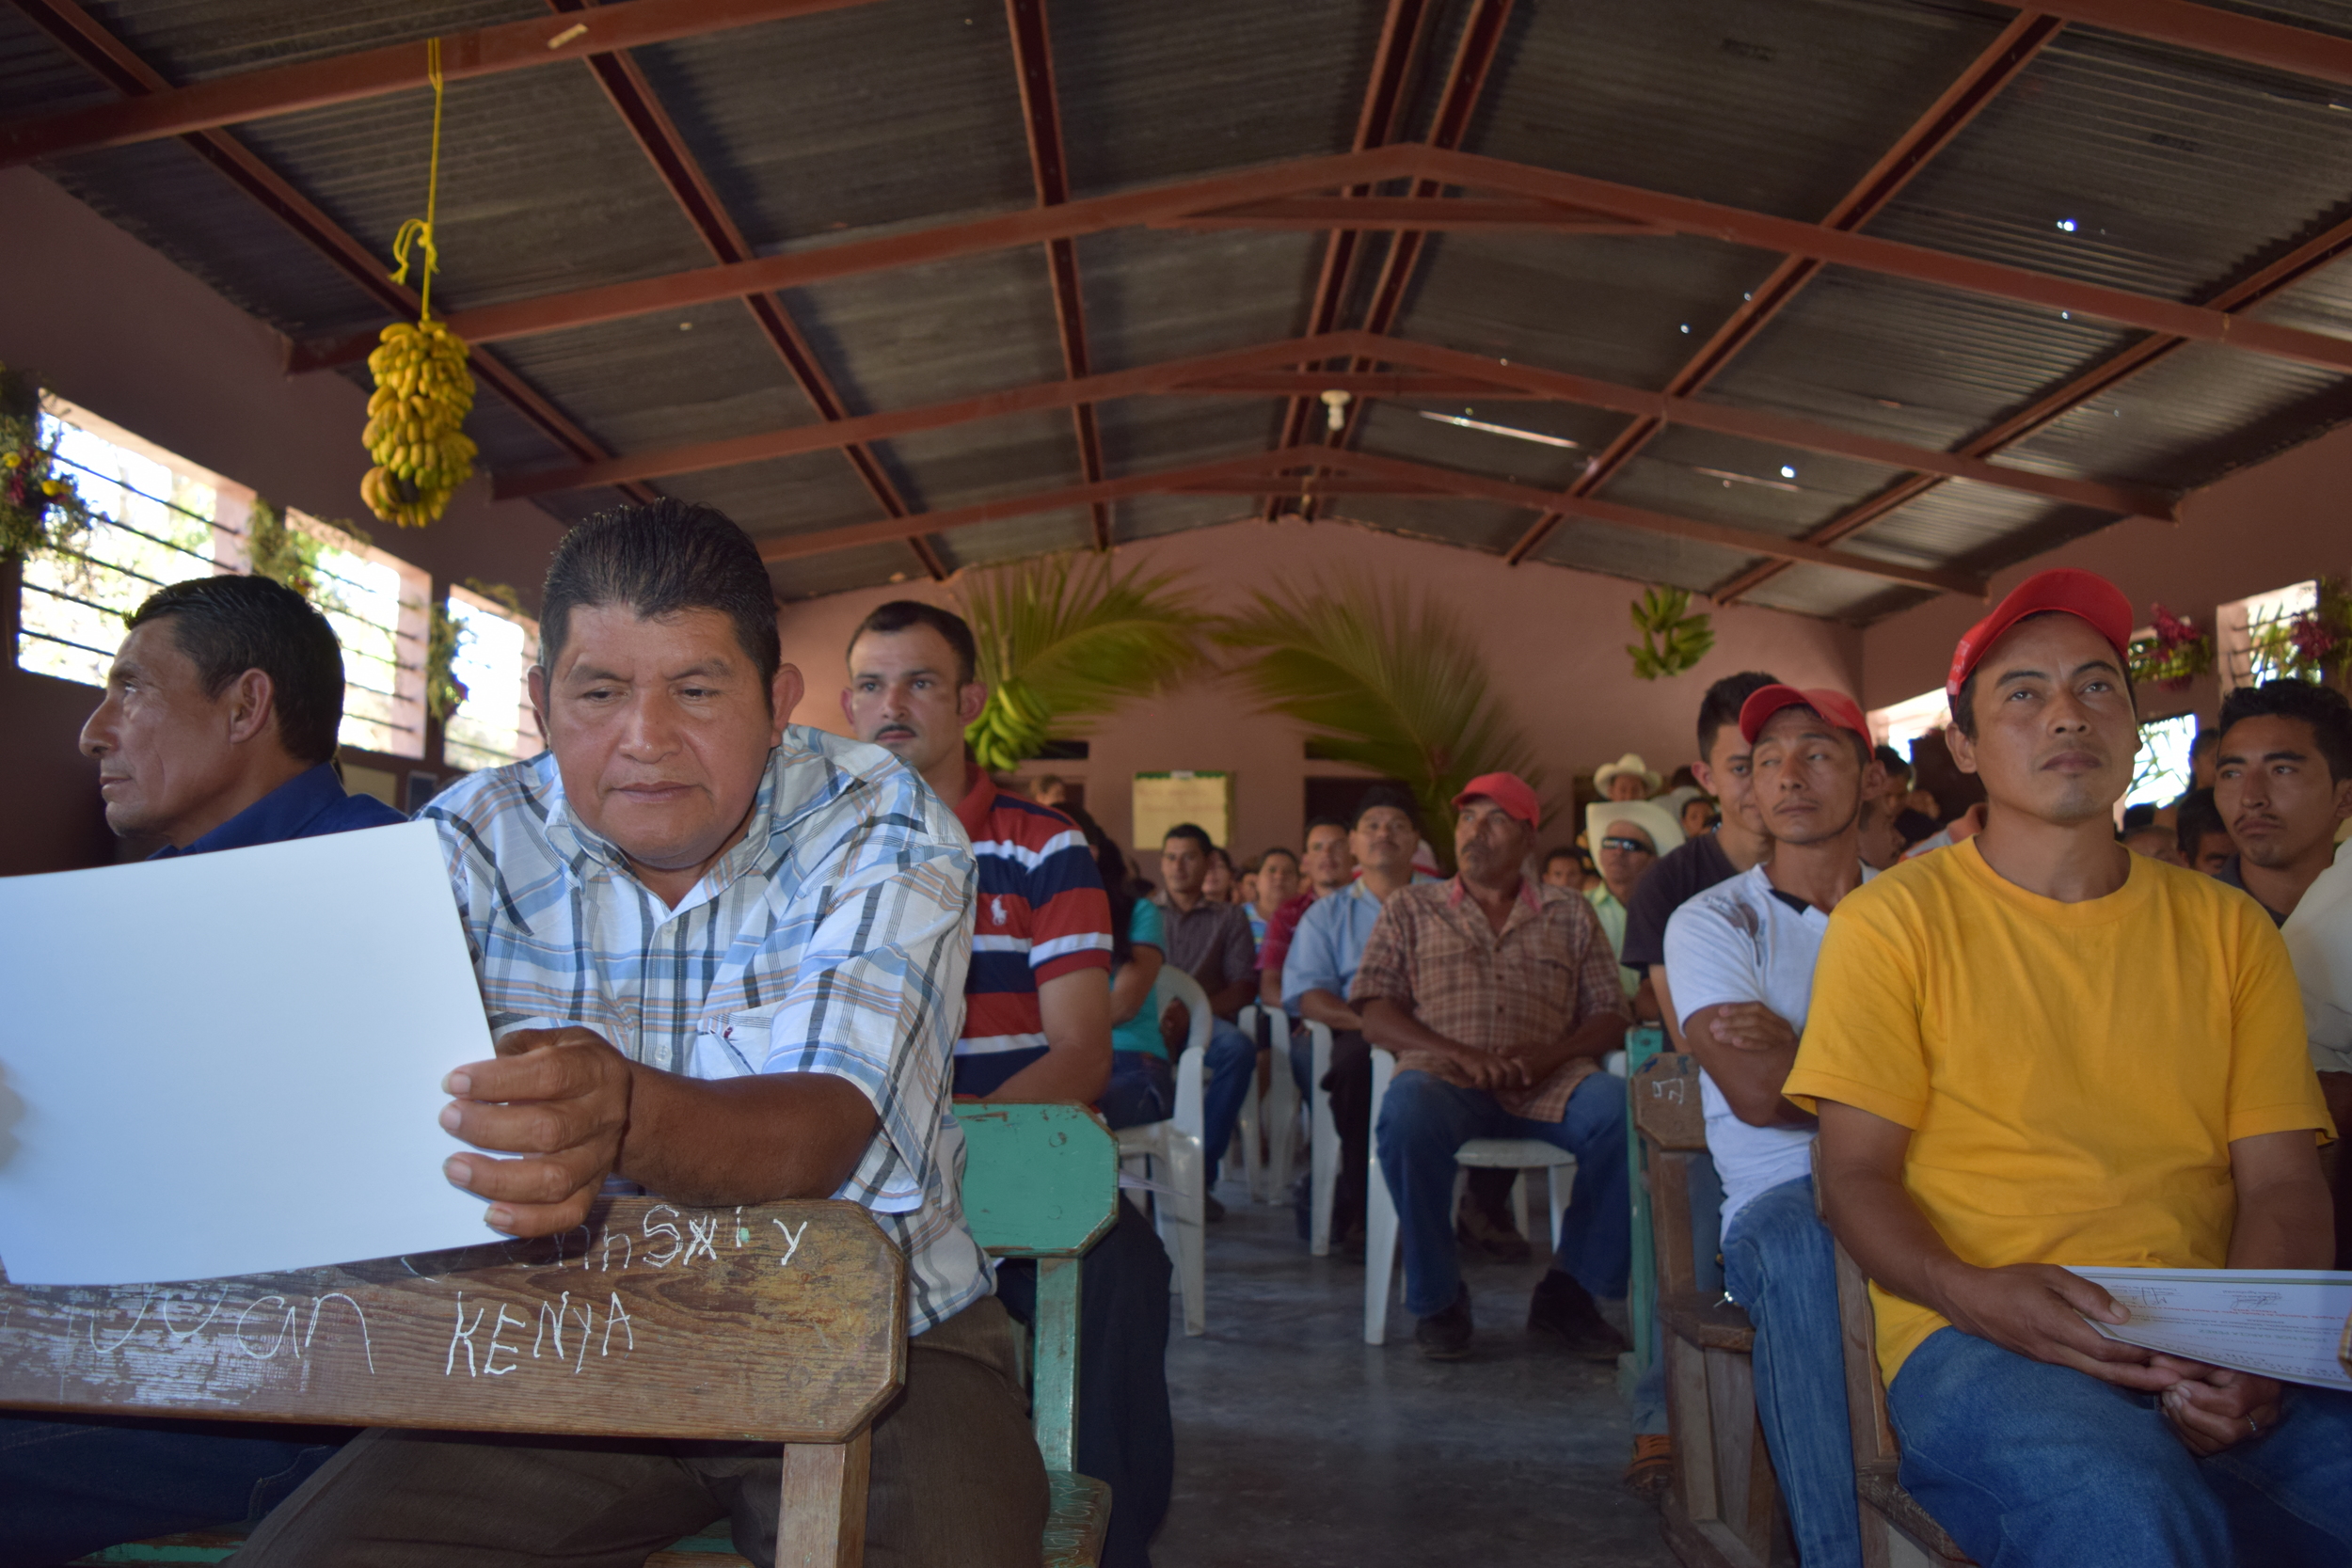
1383	681
1067	639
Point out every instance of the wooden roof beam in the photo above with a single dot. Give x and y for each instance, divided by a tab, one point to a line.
1257	472
82	36
1041	113
633	99
285	89
852	257
1996	66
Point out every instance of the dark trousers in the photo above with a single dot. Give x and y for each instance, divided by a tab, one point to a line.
1348	1083
1127	1437
69	1488
956	1482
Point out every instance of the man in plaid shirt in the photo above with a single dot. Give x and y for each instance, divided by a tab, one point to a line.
1499	995
723	959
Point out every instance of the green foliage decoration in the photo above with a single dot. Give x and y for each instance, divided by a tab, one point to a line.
445	638
295	556
41	510
1385	679
1673	640
1067	639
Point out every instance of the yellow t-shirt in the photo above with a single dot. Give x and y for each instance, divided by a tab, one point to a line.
2071	1074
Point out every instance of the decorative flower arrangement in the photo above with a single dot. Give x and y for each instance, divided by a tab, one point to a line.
2177	654
39	507
2314	644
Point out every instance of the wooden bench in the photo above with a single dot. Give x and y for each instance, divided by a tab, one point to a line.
783	1323
1042	1181
1724	1511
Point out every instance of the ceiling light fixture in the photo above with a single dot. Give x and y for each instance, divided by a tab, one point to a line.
1730	478
1468	424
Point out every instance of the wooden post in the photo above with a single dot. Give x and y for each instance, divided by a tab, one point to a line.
1053	1392
820	1522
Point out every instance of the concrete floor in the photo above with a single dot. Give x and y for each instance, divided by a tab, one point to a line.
1299	1444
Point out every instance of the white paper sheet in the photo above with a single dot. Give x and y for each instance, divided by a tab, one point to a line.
230	1063
2283	1323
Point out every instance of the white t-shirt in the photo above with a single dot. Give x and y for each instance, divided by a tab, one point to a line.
2319	939
1742	941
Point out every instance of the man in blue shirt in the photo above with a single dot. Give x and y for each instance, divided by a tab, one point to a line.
1321	964
217	732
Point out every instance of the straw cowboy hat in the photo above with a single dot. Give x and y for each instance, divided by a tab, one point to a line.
1663	828
1629	763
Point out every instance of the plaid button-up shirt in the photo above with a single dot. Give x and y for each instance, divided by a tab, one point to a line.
832	938
1547	972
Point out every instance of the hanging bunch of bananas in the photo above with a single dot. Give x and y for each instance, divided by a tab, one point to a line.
1672	642
423	392
1012	729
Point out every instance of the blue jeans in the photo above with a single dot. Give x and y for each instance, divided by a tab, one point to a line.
1779	1263
2026	1463
1233	1066
1425	1119
69	1488
1143	1089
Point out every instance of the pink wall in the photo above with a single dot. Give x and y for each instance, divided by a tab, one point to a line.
113	327
2282	522
1554	639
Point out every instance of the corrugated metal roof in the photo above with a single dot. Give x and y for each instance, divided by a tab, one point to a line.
2126	163
1622	308
1153	92
2181	173
1779	107
881	114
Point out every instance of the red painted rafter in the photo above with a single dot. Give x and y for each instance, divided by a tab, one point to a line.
1994	68
631	24
1210	375
800	268
2245	294
1392	61
1458	102
1303	465
106	55
1092	215
641	110
272	90
1040	110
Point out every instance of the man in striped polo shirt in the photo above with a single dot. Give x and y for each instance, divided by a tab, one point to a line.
1037	1027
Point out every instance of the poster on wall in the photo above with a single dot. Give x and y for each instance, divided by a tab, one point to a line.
1164	799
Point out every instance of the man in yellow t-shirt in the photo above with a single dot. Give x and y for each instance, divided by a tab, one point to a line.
2034	1048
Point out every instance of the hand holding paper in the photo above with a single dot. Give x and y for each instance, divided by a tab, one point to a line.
2280	1323
558	1097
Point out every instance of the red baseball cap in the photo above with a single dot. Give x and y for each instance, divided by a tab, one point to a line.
1510	792
2064	590
1835	707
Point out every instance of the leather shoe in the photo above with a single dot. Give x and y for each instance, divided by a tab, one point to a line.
1565	1310
1445	1334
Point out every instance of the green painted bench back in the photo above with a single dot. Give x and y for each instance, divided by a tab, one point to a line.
1042	1181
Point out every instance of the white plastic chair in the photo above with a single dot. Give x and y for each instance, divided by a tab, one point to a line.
1380	1218
1273	1109
1322	1143
1167	1153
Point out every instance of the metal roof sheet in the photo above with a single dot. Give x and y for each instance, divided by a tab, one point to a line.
2181	173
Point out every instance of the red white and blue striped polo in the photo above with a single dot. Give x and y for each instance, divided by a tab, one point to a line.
1041	913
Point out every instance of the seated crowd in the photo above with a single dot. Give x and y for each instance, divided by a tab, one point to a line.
1972	1049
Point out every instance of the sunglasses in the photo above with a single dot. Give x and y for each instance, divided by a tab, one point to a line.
1632	846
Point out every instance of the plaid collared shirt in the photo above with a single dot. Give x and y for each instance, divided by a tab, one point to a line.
1547	972
832	938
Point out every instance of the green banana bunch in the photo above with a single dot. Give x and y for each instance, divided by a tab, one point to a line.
1672	642
423	392
1012	728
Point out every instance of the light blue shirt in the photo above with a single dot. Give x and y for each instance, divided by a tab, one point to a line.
1329	943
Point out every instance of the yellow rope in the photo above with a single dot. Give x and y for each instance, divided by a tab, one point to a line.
416	234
